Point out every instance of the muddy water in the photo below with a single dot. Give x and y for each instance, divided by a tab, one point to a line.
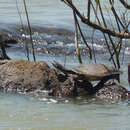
18	112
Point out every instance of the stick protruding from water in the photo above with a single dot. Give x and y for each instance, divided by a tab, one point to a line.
129	73
30	31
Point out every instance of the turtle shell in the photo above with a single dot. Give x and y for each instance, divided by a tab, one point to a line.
94	71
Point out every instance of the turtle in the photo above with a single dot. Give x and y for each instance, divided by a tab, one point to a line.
91	72
86	73
4	42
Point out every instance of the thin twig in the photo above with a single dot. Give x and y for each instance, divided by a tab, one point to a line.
76	39
102	32
26	45
96	26
84	40
30	30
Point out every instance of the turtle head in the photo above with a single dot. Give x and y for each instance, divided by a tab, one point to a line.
129	73
116	76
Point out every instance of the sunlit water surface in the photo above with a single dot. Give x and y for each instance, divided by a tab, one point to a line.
20	112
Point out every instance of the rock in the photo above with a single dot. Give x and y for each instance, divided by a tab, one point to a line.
23	76
113	92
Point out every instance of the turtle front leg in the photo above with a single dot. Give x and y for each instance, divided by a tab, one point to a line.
86	85
100	85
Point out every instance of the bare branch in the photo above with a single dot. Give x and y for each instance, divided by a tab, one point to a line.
125	4
96	26
89	1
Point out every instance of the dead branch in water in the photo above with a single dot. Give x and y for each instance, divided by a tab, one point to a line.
120	29
30	30
26	44
76	39
95	25
125	4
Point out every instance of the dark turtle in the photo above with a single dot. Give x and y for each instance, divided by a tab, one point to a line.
4	41
94	72
89	72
